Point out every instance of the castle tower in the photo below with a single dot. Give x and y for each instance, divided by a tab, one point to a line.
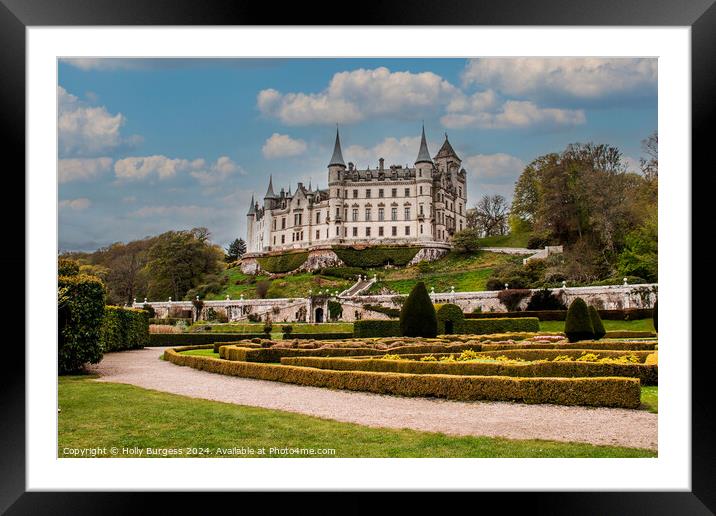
423	184
270	199
336	176
250	221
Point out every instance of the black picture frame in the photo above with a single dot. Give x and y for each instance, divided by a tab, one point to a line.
700	15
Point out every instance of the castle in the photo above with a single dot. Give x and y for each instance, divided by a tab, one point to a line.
395	206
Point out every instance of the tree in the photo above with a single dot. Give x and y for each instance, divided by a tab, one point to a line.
491	213
597	324
236	250
417	317
578	325
640	256
466	241
650	164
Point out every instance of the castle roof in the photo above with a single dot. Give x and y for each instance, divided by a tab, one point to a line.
269	193
252	209
337	158
446	151
423	154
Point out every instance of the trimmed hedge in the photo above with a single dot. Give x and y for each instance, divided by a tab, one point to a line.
376	328
80	314
282	262
578	325
417	317
318	336
599	330
647	374
187	339
584	344
349	273
539	354
601	392
483	326
627	314
376	256
630	334
218	345
124	328
449	312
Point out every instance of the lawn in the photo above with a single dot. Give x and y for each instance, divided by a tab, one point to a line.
466	272
106	415
650	399
259	327
294	285
511	240
637	325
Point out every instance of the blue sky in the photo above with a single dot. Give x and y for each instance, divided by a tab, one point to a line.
149	145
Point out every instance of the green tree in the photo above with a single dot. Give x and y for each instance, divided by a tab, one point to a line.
640	256
236	250
578	325
467	240
597	324
417	317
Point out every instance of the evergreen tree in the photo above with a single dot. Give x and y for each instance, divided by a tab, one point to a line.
597	324
578	325
236	250
417	317
656	316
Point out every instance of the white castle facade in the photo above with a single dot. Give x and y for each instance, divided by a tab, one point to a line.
419	206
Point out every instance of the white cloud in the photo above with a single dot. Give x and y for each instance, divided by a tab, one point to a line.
355	95
162	167
494	168
632	164
282	146
585	78
82	169
86	130
395	151
75	204
512	114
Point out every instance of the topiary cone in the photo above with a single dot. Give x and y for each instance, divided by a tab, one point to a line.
417	317
597	325
655	316
578	325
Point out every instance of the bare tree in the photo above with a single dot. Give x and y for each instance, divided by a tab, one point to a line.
650	163
491	215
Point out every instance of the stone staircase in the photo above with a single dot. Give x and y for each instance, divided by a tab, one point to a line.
359	286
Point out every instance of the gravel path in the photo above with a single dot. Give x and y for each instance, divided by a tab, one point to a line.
611	426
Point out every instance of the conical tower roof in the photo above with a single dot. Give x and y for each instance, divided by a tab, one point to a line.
446	151
337	158
423	154
270	193
252	209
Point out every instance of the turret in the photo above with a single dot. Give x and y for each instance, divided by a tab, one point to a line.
270	198
336	166
423	163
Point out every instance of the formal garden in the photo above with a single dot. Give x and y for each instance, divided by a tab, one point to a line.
571	358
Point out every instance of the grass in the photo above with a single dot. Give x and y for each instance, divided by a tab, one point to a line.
465	272
511	240
650	399
105	415
294	285
637	325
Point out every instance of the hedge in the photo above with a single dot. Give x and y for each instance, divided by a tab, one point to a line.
349	273
584	344
391	328
318	336
124	328
186	339
449	313
600	392
627	314
629	334
393	313
483	326
282	262
80	314
647	374
246	344
417	316
376	256
170	320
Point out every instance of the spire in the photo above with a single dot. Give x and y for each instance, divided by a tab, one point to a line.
337	158
269	193
446	151
423	154
252	209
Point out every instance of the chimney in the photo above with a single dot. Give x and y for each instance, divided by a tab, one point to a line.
381	161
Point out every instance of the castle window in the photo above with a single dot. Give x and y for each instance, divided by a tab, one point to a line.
274	240
421	229
407	213
355	194
394	230
355	214
367	214
297	219
421	210
345	194
283	239
367	193
318	217
274	224
380	231
394	192
380	192
407	230
381	214
318	235
367	231
460	225
283	223
338	231
394	214
355	231
338	213
421	190
407	192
